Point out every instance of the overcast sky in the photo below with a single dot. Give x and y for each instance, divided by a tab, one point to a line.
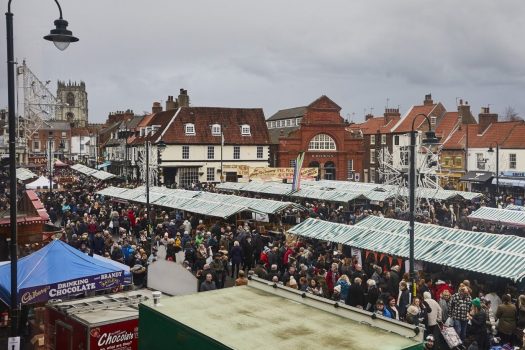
279	54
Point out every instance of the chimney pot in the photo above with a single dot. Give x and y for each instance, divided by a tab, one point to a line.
486	119
157	107
428	100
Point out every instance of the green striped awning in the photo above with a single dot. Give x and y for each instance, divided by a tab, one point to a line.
198	201
343	191
502	216
327	195
111	191
497	255
98	174
515	207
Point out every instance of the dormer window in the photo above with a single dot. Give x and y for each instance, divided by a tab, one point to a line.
189	129
245	130
216	130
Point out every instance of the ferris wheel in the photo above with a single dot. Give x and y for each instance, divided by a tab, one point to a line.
394	175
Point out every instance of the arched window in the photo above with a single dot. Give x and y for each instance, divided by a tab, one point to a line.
322	142
70	99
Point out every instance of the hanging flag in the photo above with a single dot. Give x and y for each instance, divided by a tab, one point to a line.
222	139
296	184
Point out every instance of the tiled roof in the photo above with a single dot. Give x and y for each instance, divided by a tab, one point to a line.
447	124
145	120
288	113
495	133
516	137
275	133
133	122
372	125
161	119
457	140
405	124
231	120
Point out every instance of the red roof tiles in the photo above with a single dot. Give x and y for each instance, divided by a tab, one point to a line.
406	123
231	120
515	139
495	133
372	125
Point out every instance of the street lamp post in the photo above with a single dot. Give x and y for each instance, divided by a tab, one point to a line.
80	151
61	37
160	146
491	150
429	140
50	158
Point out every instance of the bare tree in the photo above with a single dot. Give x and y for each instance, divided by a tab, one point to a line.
511	114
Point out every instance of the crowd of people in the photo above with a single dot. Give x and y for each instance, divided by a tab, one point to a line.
224	253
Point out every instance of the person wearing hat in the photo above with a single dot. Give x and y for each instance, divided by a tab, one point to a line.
380	309
217	265
429	342
478	324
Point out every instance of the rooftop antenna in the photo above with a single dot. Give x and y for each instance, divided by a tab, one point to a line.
387	100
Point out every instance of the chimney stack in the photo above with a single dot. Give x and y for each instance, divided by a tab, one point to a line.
368	116
391	113
428	100
465	114
183	99
157	107
485	119
170	103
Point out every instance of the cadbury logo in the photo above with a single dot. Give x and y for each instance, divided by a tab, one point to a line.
27	297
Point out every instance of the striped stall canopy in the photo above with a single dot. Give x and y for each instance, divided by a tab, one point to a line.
24	174
515	207
230	186
343	191
198	202
502	216
111	191
97	174
327	195
342	185
481	252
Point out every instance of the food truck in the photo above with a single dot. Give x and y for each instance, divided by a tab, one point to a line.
106	322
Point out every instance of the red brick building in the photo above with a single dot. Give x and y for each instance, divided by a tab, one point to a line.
322	135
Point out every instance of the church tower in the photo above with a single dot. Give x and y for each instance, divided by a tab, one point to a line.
73	103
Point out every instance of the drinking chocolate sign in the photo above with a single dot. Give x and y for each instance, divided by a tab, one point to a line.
40	294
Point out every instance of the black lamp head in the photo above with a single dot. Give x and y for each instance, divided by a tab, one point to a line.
491	150
161	145
430	138
60	36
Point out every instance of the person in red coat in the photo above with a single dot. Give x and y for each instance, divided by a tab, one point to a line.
332	277
132	219
263	258
286	257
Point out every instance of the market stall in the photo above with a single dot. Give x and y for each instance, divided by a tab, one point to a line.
57	271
